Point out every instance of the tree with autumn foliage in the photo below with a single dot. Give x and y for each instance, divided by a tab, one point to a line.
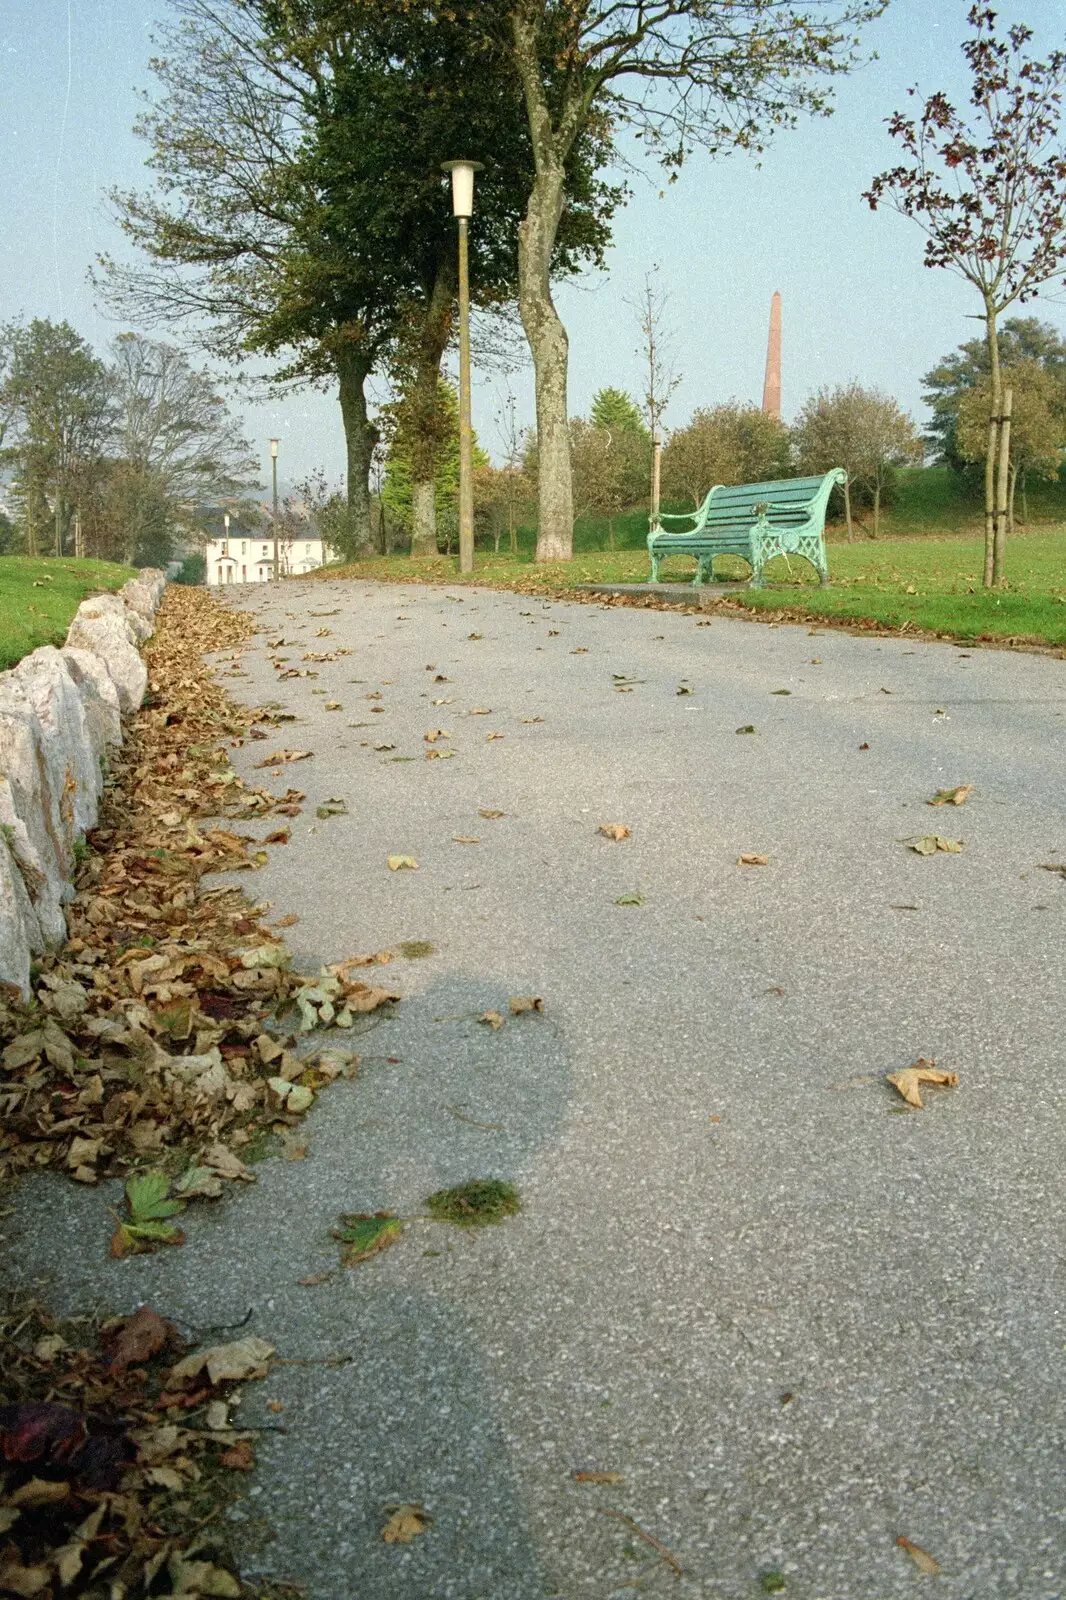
989	191
300	212
680	75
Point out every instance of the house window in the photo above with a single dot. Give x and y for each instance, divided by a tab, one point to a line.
244	547
244	574
264	549
307	549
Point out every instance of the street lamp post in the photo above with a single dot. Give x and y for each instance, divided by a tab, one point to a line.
462	207
274	466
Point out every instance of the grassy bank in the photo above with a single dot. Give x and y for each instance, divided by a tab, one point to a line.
932	584
39	596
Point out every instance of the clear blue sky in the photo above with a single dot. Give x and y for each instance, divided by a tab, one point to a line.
857	300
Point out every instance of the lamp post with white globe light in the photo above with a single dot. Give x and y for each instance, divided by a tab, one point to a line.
462	173
274	466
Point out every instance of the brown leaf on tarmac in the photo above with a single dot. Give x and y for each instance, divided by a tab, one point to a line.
405	1523
921	1558
909	1081
279	757
613	830
521	1003
952	797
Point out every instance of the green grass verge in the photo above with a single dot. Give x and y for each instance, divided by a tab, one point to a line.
39	596
932	584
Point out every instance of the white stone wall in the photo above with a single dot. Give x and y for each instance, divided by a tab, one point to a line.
60	710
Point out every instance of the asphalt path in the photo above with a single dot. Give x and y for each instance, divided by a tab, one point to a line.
796	1319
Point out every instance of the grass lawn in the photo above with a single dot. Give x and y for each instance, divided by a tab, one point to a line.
934	584
39	596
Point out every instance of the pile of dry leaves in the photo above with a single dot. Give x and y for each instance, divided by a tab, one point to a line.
159	1036
161	1040
117	1448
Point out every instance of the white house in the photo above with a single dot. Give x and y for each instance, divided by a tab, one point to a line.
244	559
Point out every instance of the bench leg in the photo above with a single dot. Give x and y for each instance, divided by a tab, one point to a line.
654	567
703	570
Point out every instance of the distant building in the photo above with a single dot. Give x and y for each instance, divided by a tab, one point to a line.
243	558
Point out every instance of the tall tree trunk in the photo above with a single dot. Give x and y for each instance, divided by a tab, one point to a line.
1002	489
847	510
992	341
1025	497
877	509
544	330
424	412
550	349
360	437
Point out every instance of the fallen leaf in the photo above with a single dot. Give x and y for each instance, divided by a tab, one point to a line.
279	836
491	736
133	1340
921	1558
952	797
436	733
289	920
930	843
20	1580
235	1362
493	1018
314	1279
521	1003
480	711
749	727
630	899
39	1492
406	1521
598	1477
532	719
682	688
49	1347
462	838
364	1235
780	691
492	815
751	859
294	1098
281	756
474	635
909	1080
333	705
397	863
613	830
241	1458
864	746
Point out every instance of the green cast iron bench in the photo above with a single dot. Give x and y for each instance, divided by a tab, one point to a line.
756	521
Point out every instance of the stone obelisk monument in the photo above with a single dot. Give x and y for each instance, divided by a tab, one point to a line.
771	389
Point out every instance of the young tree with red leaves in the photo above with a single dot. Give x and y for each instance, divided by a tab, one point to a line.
989	191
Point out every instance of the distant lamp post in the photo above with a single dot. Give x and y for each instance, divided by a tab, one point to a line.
463	208
274	467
